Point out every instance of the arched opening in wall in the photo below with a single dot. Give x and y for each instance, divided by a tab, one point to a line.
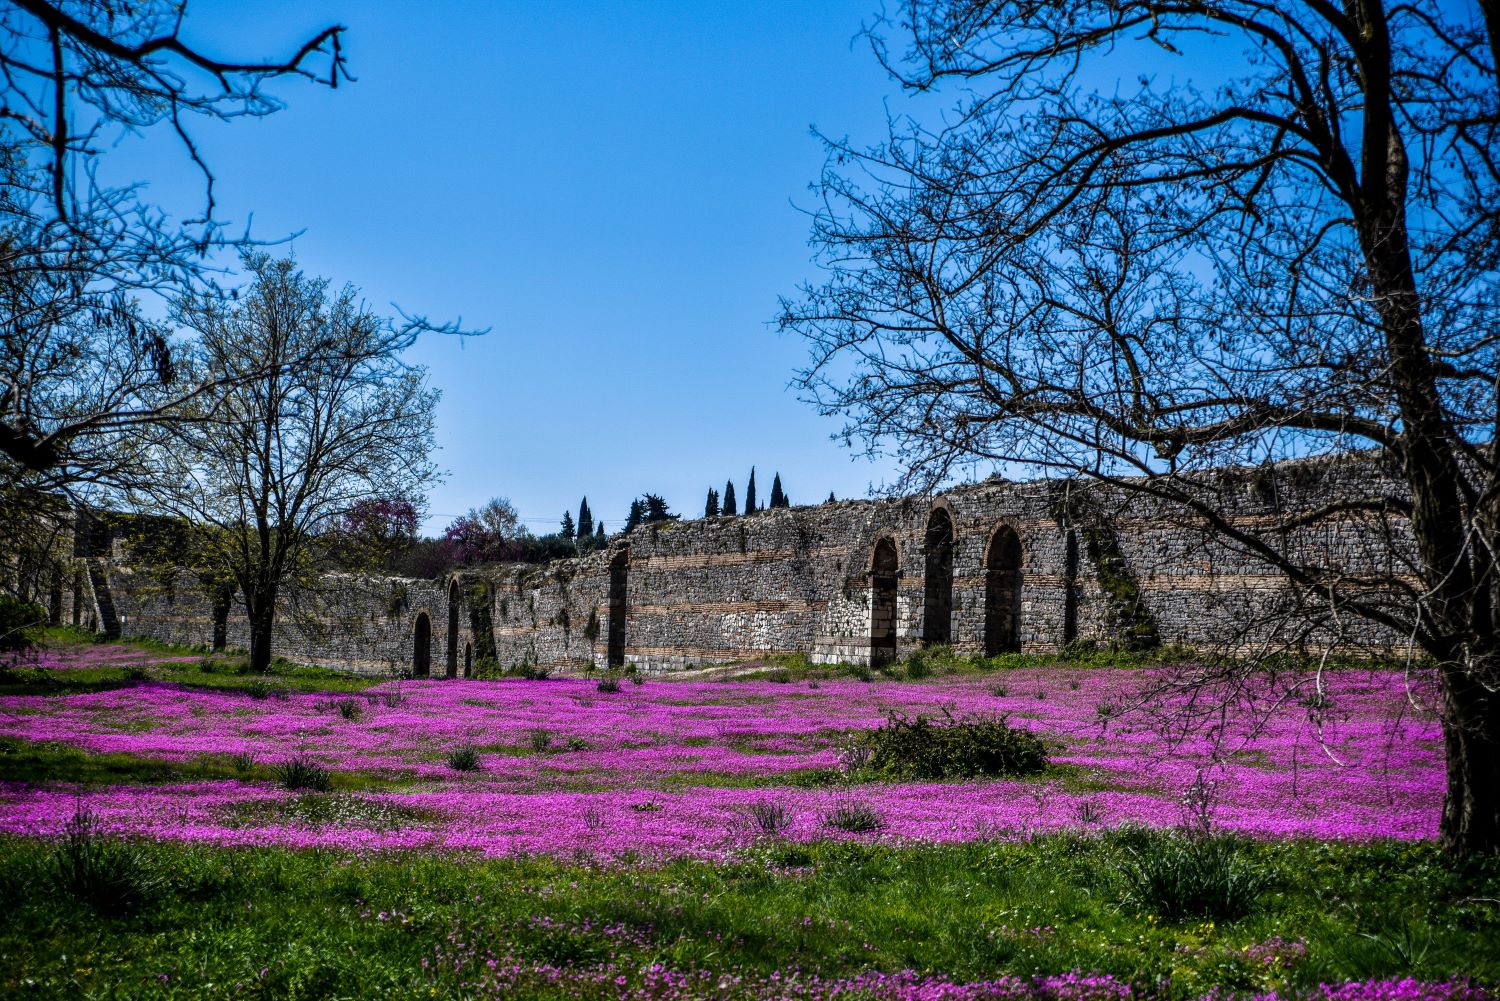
1002	592
421	646
883	564
937	605
450	662
468	660
619	567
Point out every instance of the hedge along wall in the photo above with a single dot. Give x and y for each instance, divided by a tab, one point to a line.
985	567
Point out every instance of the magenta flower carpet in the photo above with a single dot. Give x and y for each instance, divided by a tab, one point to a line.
673	768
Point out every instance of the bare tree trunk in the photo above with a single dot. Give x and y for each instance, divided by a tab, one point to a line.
1471	735
262	613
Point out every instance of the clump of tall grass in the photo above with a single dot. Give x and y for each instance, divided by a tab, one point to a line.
1179	876
111	875
609	683
464	759
302	772
853	818
770	817
539	739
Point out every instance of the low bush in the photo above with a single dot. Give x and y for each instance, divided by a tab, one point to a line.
351	710
21	623
918	747
108	874
302	772
609	683
539	739
258	689
464	759
1178	877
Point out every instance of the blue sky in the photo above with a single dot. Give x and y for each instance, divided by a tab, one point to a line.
616	190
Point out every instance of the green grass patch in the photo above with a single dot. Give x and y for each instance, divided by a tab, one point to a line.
283	923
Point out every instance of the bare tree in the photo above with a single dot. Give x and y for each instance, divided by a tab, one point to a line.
80	364
280	455
1085	271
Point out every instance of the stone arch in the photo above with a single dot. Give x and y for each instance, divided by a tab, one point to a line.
1002	591
619	569
454	600
937	599
468	660
885	563
421	646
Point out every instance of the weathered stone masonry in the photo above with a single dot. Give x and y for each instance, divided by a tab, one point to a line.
986	567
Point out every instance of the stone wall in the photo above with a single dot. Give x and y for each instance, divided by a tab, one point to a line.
1033	566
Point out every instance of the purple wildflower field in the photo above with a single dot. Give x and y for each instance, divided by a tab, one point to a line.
673	767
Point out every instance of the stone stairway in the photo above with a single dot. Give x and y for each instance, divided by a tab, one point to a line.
109	621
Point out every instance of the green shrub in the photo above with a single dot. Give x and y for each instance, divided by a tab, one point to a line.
464	759
609	683
108	874
1177	876
577	744
302	772
539	739
351	710
916	747
21	623
258	689
136	672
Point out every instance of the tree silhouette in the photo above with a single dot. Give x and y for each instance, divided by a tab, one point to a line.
1138	281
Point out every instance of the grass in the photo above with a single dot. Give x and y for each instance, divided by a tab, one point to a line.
282	923
53	764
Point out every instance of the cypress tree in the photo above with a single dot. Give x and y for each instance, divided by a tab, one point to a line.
636	516
831	498
711	506
778	499
599	533
729	507
750	493
567	525
585	519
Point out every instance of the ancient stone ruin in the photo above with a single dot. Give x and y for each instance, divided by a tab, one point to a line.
986	568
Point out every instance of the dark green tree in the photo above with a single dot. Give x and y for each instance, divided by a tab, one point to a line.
831	498
585	520
750	493
599	534
711	506
729	504
656	509
636	516
778	499
567	531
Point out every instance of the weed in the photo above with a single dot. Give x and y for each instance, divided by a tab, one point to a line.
609	683
242	762
302	772
772	818
855	818
350	710
110	875
464	759
1178	877
136	672
637	678
576	744
999	691
392	698
539	739
258	689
